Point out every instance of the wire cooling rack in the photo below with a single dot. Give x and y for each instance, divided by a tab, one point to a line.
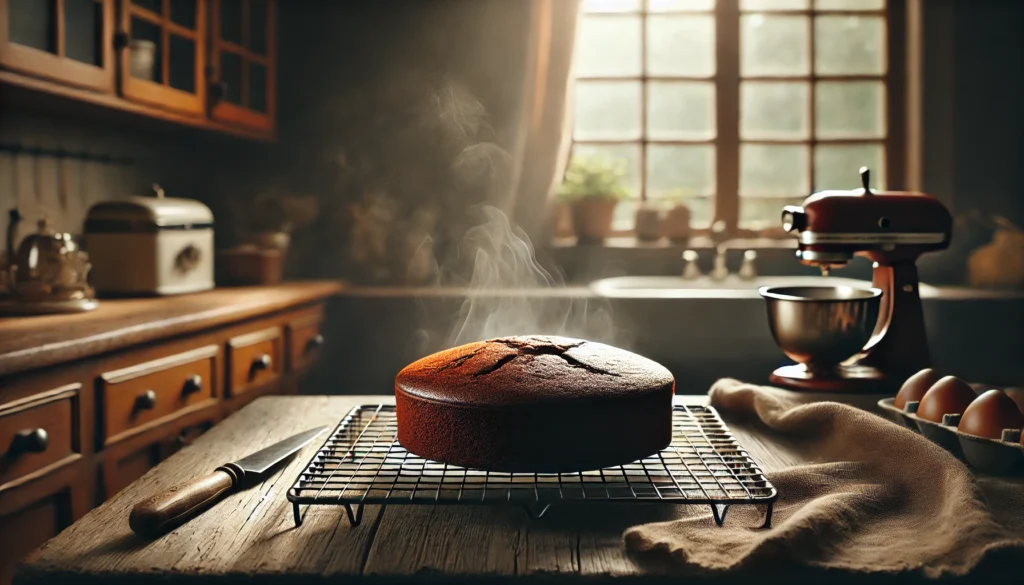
362	463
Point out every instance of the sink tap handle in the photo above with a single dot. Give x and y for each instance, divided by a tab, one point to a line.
720	270
747	270
691	271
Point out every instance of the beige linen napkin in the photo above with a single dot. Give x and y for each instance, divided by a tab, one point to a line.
878	498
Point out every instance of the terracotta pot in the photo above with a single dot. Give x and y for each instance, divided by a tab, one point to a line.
648	223
676	225
592	219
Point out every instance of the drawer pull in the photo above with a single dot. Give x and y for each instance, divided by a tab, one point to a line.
314	343
192	385
146	400
29	441
261	363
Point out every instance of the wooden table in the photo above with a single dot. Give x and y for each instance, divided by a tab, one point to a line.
252	533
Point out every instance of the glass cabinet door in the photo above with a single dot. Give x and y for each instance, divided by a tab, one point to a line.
62	40
243	65
163	53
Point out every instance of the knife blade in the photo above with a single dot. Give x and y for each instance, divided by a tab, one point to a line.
158	514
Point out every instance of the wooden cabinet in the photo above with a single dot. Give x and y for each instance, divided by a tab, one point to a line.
89	403
163	53
69	41
243	67
305	339
205	63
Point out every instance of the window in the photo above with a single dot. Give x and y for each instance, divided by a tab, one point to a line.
738	107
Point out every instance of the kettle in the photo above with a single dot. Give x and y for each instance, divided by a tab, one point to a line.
47	274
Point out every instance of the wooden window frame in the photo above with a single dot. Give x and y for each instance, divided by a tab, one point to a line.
240	114
727	81
57	67
162	94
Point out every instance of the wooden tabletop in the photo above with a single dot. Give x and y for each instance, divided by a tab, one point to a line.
252	533
33	342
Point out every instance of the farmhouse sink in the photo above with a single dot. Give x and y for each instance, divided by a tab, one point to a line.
674	287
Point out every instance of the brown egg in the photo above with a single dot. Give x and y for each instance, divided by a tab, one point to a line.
915	387
989	414
950	395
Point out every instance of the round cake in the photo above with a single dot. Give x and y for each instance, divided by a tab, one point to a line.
535	404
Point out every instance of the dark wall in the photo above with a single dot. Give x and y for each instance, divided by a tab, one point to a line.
989	99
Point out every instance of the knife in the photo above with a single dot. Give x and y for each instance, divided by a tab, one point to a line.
158	514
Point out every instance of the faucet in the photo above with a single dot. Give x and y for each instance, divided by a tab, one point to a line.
721	270
691	271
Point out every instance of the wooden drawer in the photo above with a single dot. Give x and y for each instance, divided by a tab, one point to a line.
254	359
304	341
38	434
143	396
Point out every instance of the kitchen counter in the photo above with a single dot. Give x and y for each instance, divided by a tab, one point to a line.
251	534
34	342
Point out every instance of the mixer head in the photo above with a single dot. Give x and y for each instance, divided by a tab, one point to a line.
885	226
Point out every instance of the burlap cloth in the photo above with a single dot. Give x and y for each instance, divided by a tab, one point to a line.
877	498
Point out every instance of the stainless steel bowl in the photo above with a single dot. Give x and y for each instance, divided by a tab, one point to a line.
821	326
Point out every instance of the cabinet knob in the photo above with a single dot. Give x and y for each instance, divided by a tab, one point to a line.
314	342
262	363
146	400
29	441
193	384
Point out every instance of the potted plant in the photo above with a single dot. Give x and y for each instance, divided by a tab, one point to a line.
593	187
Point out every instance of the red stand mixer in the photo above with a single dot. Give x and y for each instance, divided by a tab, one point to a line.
891	228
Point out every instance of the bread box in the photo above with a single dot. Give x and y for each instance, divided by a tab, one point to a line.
150	246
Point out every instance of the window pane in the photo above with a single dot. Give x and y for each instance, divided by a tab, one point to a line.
145	50
628	152
764	212
849	4
680	110
678	172
231	76
850	109
774	169
183	12
837	166
625	215
258	26
775	4
151	5
849	45
774	110
681	45
774	45
231	21
607	110
611	5
257	87
82	31
32	24
609	46
183	64
680	5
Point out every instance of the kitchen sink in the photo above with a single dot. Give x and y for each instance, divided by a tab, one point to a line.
675	287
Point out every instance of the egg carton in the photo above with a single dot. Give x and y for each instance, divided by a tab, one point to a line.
1004	456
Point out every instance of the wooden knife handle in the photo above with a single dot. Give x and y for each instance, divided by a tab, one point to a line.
162	512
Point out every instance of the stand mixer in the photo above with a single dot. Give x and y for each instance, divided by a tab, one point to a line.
891	228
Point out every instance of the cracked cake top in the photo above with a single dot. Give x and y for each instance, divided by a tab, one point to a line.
528	370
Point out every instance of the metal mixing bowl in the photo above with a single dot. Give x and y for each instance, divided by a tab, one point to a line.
821	326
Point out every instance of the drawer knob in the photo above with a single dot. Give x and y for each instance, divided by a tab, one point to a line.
29	441
315	342
262	363
193	384
146	400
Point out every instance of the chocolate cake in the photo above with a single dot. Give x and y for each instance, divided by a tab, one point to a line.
537	403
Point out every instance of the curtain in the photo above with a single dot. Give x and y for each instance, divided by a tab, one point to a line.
544	141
